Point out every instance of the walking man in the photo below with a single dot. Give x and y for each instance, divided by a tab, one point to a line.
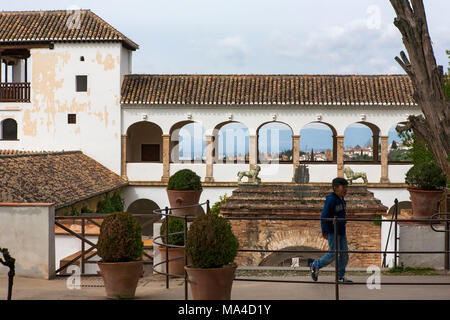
334	207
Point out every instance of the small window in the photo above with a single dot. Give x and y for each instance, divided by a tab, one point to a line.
71	118
150	152
81	83
9	129
82	58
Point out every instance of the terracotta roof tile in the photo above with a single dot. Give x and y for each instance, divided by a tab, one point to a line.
55	26
267	89
62	178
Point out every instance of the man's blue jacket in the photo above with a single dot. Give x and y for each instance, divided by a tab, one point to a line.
334	207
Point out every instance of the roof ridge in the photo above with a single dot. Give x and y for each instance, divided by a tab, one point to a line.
27	153
40	11
264	74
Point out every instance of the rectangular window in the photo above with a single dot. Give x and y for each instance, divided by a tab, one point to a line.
81	83
150	152
71	118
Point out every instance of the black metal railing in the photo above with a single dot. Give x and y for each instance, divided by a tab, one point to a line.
9	262
434	220
84	256
167	212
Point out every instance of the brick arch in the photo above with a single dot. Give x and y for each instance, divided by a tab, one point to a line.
269	235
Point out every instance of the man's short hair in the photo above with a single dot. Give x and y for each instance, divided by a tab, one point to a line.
339	182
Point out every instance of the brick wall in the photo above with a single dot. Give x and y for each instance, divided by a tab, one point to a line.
278	235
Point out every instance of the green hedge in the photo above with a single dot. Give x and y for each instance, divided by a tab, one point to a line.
120	238
184	180
210	242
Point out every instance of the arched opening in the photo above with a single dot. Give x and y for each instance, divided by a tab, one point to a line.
9	129
145	206
187	142
285	259
397	148
362	142
231	143
318	142
144	142
274	143
404	207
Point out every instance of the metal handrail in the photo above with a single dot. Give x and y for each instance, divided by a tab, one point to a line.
89	217
165	212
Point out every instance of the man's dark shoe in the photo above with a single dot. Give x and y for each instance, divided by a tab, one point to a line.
345	280
314	270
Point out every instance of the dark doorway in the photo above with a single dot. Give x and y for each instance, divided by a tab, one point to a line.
150	152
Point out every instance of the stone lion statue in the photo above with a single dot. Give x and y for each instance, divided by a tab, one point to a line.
354	175
251	174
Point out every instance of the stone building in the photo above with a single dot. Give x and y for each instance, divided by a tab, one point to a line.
67	85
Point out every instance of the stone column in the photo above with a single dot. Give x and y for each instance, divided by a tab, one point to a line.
295	153
340	155
253	152
166	157
123	157
384	160
209	158
375	140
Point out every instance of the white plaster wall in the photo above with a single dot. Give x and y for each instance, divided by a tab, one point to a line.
388	195
198	168
27	231
159	194
397	172
322	172
42	123
421	238
275	172
142	171
296	116
388	238
228	172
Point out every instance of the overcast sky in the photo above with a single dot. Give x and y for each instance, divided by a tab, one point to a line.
260	36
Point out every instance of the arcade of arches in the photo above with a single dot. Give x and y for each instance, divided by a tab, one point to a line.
146	142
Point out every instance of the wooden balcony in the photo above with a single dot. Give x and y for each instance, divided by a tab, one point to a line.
15	92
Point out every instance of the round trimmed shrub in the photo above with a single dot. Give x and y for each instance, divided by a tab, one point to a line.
120	238
210	242
184	179
175	225
426	176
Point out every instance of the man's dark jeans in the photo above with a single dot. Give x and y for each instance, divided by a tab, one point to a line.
329	257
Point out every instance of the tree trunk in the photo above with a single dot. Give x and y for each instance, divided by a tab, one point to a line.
427	79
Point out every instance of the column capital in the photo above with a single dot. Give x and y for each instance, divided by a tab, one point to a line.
165	135
295	136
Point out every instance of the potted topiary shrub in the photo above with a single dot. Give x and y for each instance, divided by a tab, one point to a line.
184	189
211	248
120	247
426	181
175	225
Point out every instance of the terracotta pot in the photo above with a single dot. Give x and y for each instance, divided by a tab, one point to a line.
211	283
120	278
424	202
184	198
177	266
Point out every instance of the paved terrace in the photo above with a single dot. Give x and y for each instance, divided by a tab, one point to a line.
153	288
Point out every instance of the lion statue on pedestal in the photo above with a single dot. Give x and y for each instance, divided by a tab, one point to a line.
251	174
354	175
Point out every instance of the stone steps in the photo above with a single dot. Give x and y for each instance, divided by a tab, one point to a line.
275	200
